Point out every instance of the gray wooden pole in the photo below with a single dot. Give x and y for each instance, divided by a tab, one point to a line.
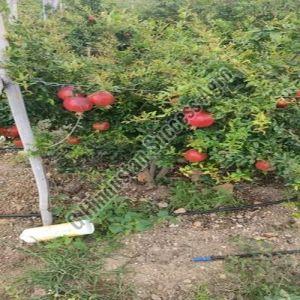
13	10
53	4
20	116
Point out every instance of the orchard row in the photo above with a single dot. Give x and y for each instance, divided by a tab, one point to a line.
80	103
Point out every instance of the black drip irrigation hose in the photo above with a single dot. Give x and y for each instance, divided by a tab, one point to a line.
9	149
30	215
237	208
194	212
244	255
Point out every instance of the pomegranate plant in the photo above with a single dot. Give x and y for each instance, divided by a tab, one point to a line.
91	19
225	70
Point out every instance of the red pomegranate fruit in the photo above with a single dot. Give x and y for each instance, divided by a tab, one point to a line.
66	92
198	118
101	126
3	131
194	156
102	99
73	140
77	104
263	165
282	103
12	132
91	19
18	143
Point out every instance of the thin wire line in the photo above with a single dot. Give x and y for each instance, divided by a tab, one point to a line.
69	134
58	84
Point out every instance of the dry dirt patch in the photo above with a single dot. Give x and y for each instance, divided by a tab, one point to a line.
18	194
160	260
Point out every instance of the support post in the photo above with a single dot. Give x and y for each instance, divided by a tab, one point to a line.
13	10
52	4
17	106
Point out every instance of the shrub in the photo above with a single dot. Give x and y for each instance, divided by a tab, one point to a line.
232	59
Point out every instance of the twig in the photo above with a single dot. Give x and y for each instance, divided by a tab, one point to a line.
163	172
152	170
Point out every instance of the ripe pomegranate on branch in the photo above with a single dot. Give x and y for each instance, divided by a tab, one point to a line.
66	92
10	132
195	156
77	104
101	126
18	143
198	118
73	140
263	165
102	99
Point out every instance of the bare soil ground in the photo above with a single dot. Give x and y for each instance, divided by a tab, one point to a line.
18	189
160	263
159	260
18	194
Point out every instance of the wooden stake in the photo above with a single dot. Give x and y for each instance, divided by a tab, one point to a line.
19	113
13	10
52	4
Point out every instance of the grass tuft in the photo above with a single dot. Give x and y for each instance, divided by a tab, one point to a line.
190	196
71	269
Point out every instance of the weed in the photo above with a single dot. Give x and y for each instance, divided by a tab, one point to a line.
71	269
121	217
203	294
190	196
264	278
261	278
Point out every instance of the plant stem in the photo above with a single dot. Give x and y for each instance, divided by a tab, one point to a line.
162	173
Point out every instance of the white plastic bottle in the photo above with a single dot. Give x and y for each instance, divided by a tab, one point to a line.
45	233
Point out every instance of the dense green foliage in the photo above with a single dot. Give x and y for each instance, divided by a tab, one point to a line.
157	57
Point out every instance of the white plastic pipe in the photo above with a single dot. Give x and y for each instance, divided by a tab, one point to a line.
46	233
19	113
